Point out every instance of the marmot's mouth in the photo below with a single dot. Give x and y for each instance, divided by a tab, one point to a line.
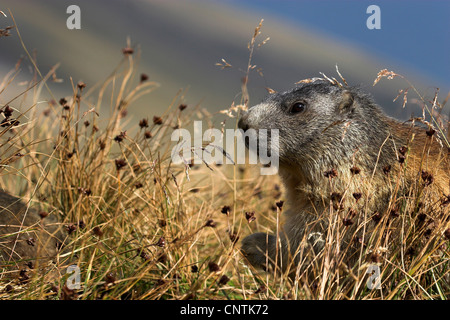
259	146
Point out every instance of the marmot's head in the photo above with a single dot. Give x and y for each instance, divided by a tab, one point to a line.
318	122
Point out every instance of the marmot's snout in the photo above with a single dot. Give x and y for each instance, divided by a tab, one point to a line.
243	122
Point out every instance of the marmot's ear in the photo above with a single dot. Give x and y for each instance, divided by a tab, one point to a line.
347	102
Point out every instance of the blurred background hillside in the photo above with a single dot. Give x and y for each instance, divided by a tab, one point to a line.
182	40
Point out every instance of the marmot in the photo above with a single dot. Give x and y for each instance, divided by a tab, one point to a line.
26	234
340	158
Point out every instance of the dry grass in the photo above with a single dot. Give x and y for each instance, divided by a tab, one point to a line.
139	227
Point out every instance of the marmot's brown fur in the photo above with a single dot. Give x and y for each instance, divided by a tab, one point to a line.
343	163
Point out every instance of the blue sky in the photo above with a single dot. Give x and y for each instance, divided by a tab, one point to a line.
415	34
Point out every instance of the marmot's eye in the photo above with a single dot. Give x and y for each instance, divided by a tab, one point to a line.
297	107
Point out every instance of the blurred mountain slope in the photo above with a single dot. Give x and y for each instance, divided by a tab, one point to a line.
181	41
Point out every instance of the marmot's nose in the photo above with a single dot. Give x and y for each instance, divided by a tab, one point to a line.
243	124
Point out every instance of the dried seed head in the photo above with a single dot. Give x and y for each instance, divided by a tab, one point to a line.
144	77
250	216
9	288
5	32
23	276
262	289
355	170
226	210
347	222
375	258
143	123
87	123
279	204
9	122
126	51
71	228
138	185
7	111
157	120
336	199
147	134
331	173
387	169
403	150
161	242
223	280
136	167
102	144
427	178
233	237
335	196
119	138
210	223
85	191
213	267
81	85
401	158
182	107
446	200
430	132
162	223
194	269
62	101
357	195
144	255
120	163
97	231
81	224
110	278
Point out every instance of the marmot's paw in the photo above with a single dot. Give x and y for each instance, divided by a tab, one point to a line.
255	249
